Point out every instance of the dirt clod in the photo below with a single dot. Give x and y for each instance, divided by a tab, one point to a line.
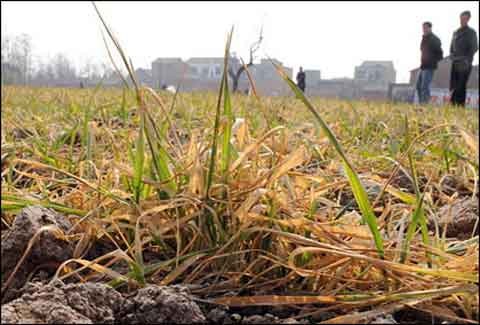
459	218
57	303
451	184
47	248
20	134
268	319
258	319
156	304
320	317
386	319
217	315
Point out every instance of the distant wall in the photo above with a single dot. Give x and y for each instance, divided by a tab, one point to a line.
441	77
442	96
439	96
344	89
312	77
204	74
402	93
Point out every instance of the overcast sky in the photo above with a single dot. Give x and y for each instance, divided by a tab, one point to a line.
333	37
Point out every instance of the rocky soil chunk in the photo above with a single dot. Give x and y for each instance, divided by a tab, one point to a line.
161	304
96	303
386	319
459	218
85	303
47	250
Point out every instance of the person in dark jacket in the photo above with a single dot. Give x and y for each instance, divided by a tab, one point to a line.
462	49
431	49
301	79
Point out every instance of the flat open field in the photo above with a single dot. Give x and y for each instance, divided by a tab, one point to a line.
254	207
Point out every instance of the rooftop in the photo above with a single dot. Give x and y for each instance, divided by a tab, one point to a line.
388	64
205	60
168	60
218	60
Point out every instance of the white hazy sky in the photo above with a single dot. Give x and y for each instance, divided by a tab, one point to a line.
333	37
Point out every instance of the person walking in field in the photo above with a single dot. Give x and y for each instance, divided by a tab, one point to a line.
301	79
431	54
462	49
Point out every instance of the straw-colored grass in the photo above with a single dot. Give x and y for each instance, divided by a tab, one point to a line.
284	221
304	201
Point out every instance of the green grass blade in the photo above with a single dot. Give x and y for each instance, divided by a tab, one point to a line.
357	188
123	106
216	128
226	149
14	203
419	213
160	156
227	111
412	227
364	204
161	171
139	162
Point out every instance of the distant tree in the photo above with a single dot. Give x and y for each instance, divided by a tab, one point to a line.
5	57
50	73
24	43
86	70
235	72
107	71
63	69
95	73
13	61
90	73
110	76
39	76
19	67
5	49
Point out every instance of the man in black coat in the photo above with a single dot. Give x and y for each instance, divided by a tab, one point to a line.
431	48
301	79
463	48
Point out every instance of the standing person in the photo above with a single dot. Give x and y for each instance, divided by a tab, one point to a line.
301	79
431	48
463	48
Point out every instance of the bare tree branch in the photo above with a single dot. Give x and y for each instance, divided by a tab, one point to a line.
235	75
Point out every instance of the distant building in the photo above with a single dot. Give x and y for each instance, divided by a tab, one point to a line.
441	77
268	81
401	92
375	77
144	77
209	68
343	88
167	71
371	81
440	87
204	74
312	77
